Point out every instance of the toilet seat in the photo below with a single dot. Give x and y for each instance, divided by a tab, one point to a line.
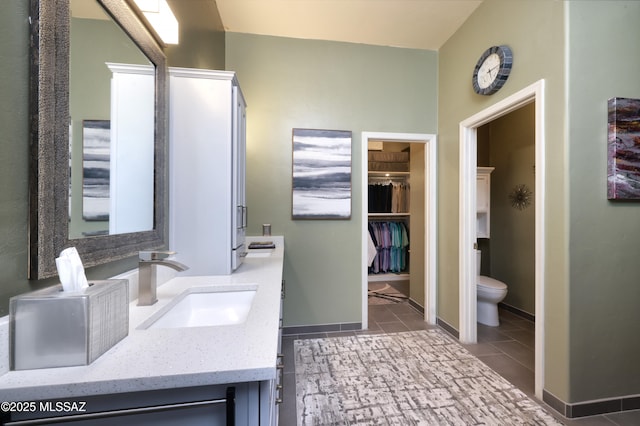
490	283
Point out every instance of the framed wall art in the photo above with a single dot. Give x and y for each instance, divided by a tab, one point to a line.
321	185
96	165
623	162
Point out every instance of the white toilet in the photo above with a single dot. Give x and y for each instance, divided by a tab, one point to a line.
490	292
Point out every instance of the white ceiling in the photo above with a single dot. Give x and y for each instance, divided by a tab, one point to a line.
419	24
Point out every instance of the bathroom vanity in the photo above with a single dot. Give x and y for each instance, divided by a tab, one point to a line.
168	372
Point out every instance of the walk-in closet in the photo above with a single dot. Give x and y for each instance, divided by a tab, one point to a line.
396	223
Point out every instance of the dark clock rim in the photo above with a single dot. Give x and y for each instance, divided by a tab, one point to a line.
506	61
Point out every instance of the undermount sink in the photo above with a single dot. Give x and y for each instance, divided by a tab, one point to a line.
205	307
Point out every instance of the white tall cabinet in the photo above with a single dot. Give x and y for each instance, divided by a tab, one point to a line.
483	198
131	148
207	197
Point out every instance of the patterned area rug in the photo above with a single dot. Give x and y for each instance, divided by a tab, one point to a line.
411	378
382	293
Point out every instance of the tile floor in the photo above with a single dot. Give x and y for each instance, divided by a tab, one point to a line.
508	349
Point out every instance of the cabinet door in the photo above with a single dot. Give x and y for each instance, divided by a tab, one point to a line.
483	202
482	193
239	169
200	173
197	406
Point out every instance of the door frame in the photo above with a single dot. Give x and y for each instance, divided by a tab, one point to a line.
430	161
467	218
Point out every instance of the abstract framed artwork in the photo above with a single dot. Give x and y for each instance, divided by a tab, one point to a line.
623	153
96	165
321	184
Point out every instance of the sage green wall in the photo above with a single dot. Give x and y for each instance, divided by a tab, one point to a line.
201	36
534	30
290	83
512	254
14	148
603	62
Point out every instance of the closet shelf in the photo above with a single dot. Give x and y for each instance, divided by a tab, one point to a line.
383	215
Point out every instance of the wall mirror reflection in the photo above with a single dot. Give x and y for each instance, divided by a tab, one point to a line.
111	146
98	134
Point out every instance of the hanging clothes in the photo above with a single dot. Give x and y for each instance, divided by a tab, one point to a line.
391	240
388	197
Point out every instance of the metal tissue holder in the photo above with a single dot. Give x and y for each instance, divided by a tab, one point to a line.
53	328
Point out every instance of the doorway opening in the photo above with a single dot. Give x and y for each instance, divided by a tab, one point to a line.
425	202
467	220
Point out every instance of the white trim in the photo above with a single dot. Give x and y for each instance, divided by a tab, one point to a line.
468	150
430	161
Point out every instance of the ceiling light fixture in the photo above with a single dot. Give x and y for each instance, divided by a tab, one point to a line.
161	18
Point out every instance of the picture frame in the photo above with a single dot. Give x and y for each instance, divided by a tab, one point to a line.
623	149
96	165
321	176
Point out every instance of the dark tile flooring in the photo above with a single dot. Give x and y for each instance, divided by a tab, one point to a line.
508	349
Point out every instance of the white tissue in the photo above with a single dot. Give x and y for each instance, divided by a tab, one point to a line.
71	271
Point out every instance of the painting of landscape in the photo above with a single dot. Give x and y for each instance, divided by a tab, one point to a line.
623	168
95	169
321	174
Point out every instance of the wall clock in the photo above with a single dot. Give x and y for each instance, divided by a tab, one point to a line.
492	70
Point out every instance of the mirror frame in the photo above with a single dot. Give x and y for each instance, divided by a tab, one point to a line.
49	141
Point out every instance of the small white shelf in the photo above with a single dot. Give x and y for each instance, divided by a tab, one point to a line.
483	198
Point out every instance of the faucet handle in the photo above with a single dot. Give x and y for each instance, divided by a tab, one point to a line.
149	255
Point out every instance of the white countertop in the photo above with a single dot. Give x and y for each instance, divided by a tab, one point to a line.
179	357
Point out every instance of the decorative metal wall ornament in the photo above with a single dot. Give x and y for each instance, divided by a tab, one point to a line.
520	197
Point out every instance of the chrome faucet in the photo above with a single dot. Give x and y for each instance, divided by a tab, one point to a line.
147	263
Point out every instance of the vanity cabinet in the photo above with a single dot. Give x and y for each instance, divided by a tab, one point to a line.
483	201
272	391
233	404
207	192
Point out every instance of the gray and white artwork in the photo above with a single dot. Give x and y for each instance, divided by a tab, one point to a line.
321	174
95	169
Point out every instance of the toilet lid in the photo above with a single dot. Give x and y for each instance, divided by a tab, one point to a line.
491	283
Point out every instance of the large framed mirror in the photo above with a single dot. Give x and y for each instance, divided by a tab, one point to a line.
98	133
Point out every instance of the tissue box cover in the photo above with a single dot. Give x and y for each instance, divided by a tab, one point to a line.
53	328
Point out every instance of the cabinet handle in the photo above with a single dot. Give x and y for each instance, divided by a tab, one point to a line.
245	216
280	382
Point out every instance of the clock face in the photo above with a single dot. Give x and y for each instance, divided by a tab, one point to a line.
492	70
488	71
